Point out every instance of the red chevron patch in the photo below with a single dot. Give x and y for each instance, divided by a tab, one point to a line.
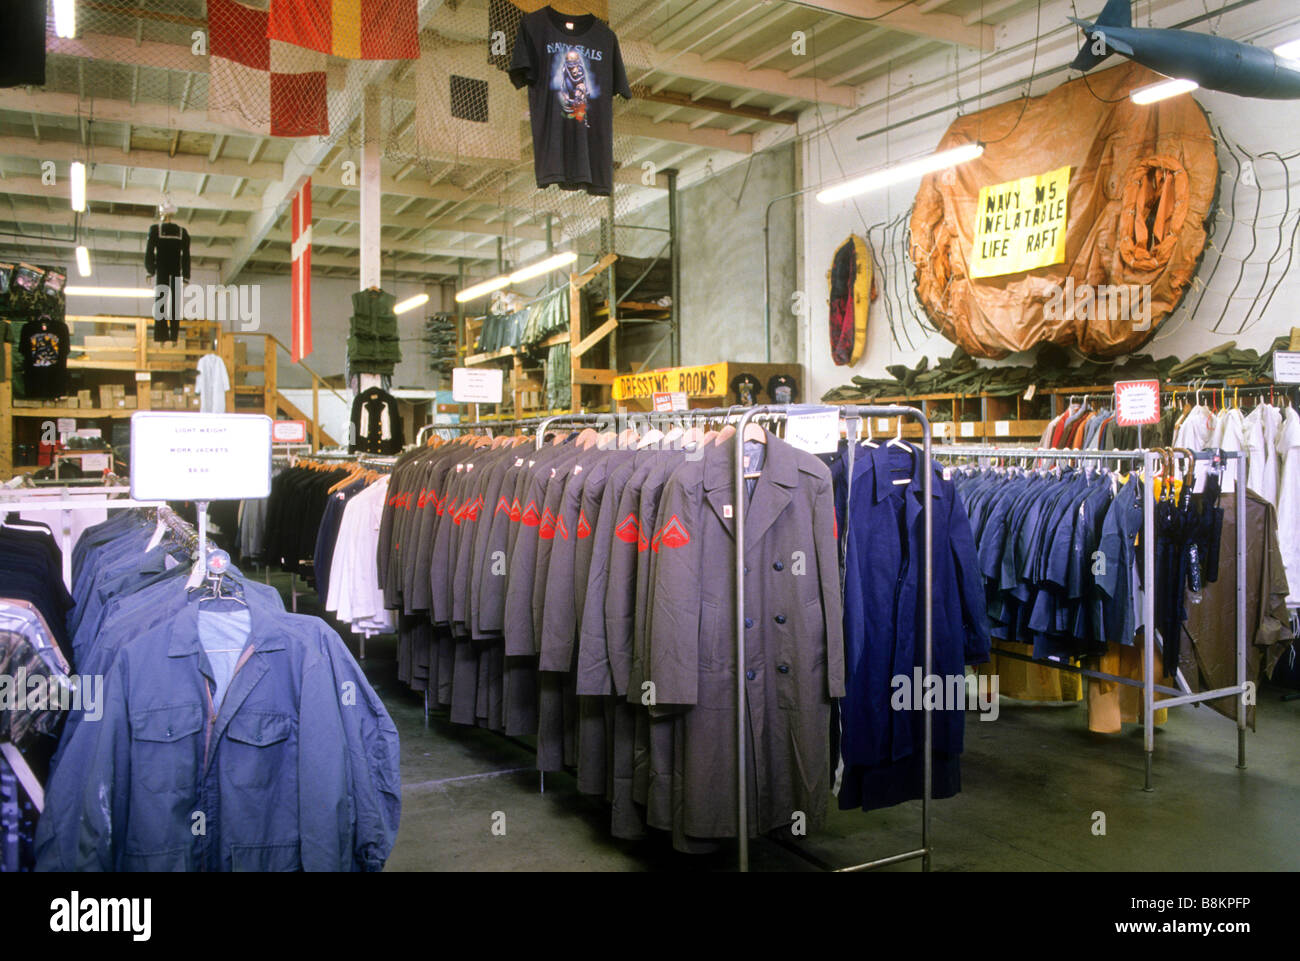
584	529
546	528
426	496
561	528
502	505
628	530
514	511
530	515
672	534
642	543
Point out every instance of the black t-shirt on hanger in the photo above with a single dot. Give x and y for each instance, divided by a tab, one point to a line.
573	67
44	345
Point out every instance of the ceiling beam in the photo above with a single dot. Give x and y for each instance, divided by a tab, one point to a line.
890	56
720	106
635	125
116	111
139	159
731	73
97	192
944	27
826	56
759	25
786	46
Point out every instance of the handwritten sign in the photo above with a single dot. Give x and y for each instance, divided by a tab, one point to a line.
1137	402
1020	225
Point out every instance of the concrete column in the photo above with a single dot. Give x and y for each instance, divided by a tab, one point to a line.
371	134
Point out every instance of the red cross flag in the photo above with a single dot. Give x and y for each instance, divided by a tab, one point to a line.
300	286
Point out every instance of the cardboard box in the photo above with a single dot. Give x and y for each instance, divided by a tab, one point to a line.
105	395
132	402
84	399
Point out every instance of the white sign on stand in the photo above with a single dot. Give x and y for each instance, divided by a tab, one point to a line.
476	386
200	457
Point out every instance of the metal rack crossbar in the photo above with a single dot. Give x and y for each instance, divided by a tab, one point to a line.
1183	694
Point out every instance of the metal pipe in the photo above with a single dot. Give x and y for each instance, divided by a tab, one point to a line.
738	494
1241	611
1148	611
675	258
928	513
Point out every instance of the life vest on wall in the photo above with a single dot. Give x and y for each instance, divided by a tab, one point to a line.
850	283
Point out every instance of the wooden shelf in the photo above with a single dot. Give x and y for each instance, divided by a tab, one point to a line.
73	411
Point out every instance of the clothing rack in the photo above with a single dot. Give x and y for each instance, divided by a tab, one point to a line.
1183	695
65	500
853	414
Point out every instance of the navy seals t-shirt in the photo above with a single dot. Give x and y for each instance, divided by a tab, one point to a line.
572	67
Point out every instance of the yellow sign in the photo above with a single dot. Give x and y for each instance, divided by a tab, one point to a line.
707	381
1020	225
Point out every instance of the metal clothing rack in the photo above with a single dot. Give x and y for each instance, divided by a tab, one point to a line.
65	500
776	412
1183	694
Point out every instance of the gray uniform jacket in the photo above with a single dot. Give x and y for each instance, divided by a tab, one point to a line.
794	660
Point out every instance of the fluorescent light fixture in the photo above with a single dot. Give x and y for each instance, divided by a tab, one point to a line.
74	290
518	277
1289	51
478	290
78	186
83	261
1162	90
410	303
900	172
543	267
65	18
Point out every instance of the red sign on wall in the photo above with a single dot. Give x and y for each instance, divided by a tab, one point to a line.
1137	403
289	432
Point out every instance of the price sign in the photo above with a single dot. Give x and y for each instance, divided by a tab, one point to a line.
289	432
200	457
476	386
669	401
1137	402
94	462
1286	366
816	430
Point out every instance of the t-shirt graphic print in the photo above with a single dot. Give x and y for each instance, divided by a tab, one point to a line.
573	68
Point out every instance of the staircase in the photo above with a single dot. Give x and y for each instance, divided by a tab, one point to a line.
265	397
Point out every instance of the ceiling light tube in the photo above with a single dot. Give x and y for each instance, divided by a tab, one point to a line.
83	261
65	18
478	290
78	177
543	267
1289	51
75	290
900	172
410	303
1162	91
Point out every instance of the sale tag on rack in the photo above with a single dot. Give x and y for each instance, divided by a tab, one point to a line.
200	457
814	429
1137	403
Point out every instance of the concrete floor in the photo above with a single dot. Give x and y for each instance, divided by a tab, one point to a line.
1032	782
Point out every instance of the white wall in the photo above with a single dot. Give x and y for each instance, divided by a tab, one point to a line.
835	153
